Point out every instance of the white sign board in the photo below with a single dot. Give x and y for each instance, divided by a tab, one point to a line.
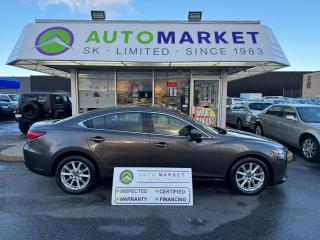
147	42
152	186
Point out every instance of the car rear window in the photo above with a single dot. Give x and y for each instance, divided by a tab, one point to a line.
34	97
259	106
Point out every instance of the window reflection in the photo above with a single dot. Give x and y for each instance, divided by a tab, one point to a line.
134	88
172	89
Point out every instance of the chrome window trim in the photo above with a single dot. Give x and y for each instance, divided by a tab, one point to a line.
135	111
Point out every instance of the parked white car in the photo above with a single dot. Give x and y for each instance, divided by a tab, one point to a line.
10	98
294	124
239	114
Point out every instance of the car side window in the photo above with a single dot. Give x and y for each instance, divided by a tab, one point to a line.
235	106
288	111
241	106
274	111
232	106
168	125
97	123
129	122
4	98
58	99
65	99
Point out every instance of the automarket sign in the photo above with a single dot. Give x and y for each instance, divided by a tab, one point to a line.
147	42
152	186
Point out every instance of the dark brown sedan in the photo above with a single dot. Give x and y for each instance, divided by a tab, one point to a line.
80	149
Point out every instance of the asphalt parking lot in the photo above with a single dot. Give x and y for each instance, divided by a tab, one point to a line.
33	207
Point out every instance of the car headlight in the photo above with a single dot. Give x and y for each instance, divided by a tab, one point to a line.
4	106
280	153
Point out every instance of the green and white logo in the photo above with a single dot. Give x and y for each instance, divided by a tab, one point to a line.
54	41
126	177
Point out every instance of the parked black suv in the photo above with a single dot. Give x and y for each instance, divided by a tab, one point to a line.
34	107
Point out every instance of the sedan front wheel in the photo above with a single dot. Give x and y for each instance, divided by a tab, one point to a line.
249	176
310	149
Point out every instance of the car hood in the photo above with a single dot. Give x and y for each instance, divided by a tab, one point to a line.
314	125
245	136
255	112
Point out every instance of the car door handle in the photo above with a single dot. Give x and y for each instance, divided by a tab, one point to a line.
97	139
161	145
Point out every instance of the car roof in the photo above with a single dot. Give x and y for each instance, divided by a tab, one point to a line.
248	102
43	93
296	105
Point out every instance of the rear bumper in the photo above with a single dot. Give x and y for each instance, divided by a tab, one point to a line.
36	162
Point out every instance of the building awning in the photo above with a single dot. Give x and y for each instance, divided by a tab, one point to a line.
9	83
242	48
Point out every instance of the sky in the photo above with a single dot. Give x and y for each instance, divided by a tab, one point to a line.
295	23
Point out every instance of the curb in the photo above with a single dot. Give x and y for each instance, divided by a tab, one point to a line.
11	158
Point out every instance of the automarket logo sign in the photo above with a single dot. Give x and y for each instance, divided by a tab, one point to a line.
54	41
126	176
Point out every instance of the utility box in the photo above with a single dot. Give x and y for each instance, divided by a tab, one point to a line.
311	85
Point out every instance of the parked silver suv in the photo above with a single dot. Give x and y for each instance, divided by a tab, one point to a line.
294	124
239	114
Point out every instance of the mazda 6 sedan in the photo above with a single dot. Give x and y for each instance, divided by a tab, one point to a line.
80	149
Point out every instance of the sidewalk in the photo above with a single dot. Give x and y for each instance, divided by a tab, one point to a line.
11	141
12	152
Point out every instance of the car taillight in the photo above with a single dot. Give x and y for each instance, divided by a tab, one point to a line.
17	110
50	110
35	134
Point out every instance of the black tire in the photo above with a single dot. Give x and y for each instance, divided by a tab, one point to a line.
24	127
259	129
68	161
234	177
239	124
313	155
30	110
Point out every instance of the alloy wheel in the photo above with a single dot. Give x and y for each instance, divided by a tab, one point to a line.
75	175
309	148
250	177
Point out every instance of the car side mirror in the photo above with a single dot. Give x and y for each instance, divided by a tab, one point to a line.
195	135
228	108
290	117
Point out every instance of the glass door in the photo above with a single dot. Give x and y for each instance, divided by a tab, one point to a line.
205	101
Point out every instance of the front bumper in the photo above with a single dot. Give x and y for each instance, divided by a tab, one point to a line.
279	170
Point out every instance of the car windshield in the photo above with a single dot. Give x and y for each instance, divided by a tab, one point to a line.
14	97
279	101
309	114
259	106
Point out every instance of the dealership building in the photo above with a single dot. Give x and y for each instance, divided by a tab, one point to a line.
180	65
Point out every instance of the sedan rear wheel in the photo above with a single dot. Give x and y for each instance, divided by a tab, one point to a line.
75	174
259	130
310	149
249	176
239	124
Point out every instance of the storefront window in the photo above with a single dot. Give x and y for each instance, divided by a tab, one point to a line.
134	88
96	89
172	89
